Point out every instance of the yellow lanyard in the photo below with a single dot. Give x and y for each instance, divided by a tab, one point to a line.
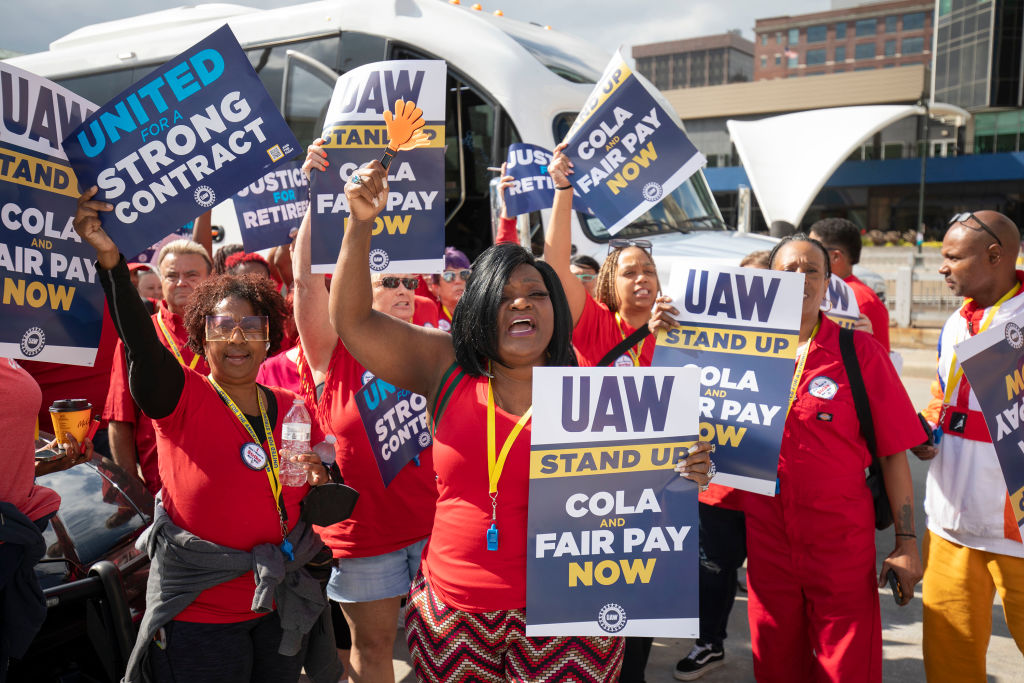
274	466
446	312
633	352
800	362
955	373
174	346
495	465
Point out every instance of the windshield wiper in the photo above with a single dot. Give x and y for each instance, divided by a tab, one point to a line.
714	221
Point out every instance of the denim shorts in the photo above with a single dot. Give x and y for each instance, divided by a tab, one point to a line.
364	579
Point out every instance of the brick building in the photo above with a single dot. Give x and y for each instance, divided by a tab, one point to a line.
696	62
867	36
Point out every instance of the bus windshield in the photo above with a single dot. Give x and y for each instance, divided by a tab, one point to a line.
575	62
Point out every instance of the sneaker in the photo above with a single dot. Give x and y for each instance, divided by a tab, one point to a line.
702	659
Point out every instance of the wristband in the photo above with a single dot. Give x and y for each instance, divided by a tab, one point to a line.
567	187
907	535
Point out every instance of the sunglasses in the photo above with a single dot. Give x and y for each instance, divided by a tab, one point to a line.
222	327
586	277
962	219
393	282
623	243
449	275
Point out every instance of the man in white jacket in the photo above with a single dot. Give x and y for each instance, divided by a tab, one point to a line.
973	548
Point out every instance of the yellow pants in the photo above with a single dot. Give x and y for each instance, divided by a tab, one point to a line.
959	586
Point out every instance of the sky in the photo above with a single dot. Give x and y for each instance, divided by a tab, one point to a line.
36	23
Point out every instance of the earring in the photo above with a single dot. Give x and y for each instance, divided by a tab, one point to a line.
828	301
267	348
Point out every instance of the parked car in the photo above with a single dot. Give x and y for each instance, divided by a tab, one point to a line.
92	576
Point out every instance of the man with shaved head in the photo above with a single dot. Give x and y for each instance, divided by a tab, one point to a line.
973	548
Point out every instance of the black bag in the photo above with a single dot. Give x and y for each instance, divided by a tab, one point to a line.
328	504
874	480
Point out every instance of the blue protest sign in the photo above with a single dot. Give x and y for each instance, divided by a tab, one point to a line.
627	148
51	304
993	363
612	528
149	255
187	136
396	423
409	233
740	327
271	207
532	189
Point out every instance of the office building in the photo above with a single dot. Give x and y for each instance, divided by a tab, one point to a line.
696	62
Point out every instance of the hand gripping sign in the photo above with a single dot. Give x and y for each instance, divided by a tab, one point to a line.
51	304
532	188
993	362
740	328
612	528
187	136
407	97
628	148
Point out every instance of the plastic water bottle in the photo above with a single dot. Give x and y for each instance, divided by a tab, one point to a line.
295	433
325	449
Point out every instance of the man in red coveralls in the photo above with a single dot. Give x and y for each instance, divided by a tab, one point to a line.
182	265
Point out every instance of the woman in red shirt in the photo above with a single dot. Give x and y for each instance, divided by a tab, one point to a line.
466	616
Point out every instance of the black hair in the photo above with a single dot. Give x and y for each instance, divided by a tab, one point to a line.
801	237
259	291
584	261
475	319
839	233
220	256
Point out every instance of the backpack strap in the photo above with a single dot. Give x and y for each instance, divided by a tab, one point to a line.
638	335
860	395
451	378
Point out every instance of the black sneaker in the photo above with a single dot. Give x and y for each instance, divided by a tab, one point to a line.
702	659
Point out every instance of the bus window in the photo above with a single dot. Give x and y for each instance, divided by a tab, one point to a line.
307	89
360	48
100	88
269	62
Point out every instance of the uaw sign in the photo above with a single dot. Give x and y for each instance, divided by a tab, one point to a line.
841	306
627	148
396	424
408	235
188	135
612	528
532	188
739	327
51	305
272	206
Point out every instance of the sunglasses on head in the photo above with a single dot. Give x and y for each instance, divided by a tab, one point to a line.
393	282
623	243
962	219
222	327
449	275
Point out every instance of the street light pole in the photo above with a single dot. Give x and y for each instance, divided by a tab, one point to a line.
924	168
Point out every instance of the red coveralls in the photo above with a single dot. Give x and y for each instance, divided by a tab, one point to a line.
811	549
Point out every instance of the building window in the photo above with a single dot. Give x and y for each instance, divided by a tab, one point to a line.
791	62
913	22
865	27
764	39
890	48
840	31
778	37
778	60
913	46
764	61
892	24
794	36
864	51
817	34
814	57
840	54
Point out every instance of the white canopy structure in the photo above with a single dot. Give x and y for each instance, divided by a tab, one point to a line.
789	158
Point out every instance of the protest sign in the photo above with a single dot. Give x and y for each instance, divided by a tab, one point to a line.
408	235
271	207
52	306
841	308
532	189
740	327
149	255
396	424
612	528
187	136
627	147
993	362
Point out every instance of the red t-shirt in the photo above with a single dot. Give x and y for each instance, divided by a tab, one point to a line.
598	331
121	407
461	570
280	371
871	306
210	491
385	518
59	381
425	312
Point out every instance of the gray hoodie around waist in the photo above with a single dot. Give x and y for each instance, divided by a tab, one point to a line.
184	565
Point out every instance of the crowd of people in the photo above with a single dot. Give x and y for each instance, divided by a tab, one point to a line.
257	576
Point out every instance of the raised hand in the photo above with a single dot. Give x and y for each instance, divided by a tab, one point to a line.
89	227
316	158
367	191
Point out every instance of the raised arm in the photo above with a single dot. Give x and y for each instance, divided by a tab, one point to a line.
558	236
403	354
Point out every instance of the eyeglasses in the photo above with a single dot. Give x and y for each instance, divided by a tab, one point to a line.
222	327
393	282
449	275
623	243
586	277
962	219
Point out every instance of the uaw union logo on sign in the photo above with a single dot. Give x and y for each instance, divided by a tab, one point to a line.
1013	335
612	618
379	260
33	341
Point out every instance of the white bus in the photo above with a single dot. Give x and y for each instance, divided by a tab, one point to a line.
509	81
